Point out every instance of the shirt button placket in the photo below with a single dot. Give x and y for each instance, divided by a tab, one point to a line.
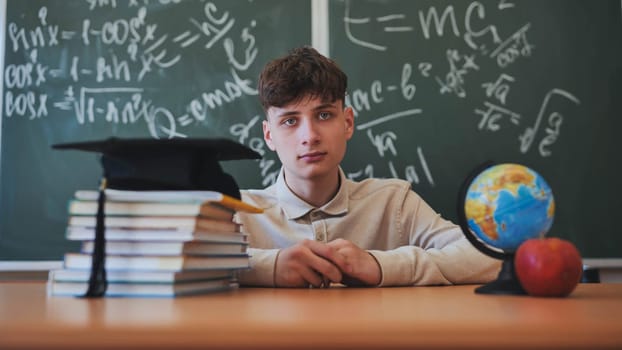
318	227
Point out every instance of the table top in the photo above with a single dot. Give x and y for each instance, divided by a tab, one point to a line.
362	318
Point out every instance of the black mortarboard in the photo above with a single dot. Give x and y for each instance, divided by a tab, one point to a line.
172	164
157	165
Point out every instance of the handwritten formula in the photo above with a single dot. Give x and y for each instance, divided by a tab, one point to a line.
429	55
114	69
159	69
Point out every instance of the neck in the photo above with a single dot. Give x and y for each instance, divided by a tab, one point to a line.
316	191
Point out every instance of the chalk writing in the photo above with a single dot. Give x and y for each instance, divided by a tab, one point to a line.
472	34
362	100
44	35
107	87
514	47
383	142
233	89
388	117
500	88
250	53
410	173
477	47
455	79
29	103
492	116
554	120
386	21
213	28
269	167
131	54
426	21
87	70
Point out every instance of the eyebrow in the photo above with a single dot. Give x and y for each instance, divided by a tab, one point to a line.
296	112
287	114
317	108
325	106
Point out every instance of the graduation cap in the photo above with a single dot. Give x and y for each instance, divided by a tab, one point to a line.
188	164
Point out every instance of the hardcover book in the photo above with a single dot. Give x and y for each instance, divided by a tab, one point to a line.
167	248
79	233
208	210
57	288
137	276
160	263
195	223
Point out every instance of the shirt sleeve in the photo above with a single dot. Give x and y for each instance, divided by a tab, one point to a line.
261	272
437	254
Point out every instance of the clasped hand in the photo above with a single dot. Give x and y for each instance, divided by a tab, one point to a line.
312	263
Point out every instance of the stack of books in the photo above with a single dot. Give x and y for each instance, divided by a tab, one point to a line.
158	243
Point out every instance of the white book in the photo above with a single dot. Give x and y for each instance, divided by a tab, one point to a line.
164	222
55	288
160	263
88	207
167	248
80	233
125	276
169	196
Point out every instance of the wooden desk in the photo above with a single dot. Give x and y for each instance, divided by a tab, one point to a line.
381	318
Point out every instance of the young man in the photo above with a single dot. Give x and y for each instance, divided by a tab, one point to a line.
320	227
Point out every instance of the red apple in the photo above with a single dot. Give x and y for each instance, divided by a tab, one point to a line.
548	267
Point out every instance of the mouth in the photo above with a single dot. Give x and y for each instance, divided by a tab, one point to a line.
312	156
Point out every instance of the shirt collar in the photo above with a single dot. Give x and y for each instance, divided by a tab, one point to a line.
294	207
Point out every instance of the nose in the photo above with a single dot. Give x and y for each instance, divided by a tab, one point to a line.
308	132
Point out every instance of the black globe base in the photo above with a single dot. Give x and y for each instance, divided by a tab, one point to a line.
506	282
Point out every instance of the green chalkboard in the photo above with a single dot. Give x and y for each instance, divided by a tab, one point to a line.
439	87
78	70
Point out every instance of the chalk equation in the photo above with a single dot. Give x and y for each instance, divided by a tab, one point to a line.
119	69
468	52
108	88
150	68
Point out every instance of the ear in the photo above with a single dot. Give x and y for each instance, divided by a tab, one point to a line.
267	135
348	114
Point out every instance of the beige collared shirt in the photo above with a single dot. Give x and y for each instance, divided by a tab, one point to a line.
410	241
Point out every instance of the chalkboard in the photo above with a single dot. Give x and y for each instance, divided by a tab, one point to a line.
440	87
78	70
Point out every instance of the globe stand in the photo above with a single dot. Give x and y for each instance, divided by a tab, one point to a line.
506	282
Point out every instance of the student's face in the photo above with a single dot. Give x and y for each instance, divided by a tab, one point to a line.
309	136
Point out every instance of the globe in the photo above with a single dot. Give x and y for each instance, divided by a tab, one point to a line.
507	204
499	207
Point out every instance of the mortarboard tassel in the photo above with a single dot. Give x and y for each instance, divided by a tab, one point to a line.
97	280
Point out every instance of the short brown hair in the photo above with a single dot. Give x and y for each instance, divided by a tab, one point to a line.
303	72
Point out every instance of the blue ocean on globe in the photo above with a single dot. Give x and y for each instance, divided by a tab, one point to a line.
507	204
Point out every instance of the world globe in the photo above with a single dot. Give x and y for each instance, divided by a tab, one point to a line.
507	204
500	206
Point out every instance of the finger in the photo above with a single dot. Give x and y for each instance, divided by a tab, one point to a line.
347	252
292	267
323	267
329	271
311	277
339	243
328	253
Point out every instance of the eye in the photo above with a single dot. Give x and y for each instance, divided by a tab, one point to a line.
289	121
324	115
